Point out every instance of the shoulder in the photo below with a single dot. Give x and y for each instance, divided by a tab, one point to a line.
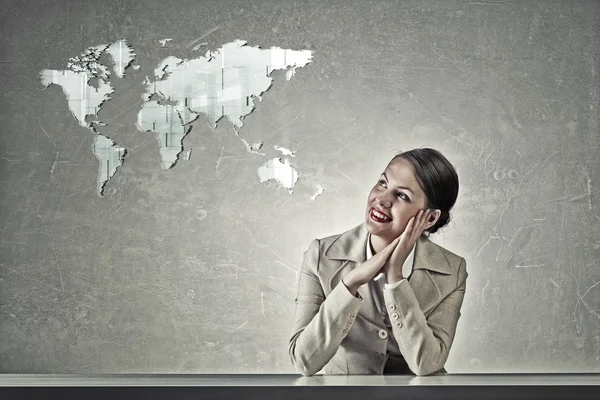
331	250
452	257
318	245
456	262
326	241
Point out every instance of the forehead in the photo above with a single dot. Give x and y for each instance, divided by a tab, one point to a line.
400	173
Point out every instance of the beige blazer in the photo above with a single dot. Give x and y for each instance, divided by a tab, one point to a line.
343	334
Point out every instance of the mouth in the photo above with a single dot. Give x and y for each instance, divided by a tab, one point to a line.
378	216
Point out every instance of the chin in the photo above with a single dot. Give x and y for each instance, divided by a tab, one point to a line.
372	228
369	228
369	223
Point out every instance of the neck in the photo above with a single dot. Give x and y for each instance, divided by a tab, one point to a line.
377	243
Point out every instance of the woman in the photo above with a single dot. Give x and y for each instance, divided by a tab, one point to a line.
349	321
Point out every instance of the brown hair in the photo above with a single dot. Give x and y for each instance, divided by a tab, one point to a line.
438	180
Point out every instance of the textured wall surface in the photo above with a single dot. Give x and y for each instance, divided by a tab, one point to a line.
193	268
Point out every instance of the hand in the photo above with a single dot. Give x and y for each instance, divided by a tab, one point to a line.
367	270
408	238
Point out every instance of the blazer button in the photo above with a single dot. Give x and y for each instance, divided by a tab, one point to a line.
353	316
344	331
394	315
383	334
398	324
349	323
392	307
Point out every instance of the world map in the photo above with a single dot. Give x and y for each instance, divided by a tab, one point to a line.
223	83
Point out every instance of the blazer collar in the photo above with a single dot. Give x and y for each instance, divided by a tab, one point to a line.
351	244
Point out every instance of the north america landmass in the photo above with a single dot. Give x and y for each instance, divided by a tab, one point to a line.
223	83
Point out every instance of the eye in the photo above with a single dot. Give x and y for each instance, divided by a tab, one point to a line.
380	182
403	196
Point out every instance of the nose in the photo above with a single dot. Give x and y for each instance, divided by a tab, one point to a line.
384	200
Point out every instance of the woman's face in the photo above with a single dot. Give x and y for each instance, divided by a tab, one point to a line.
398	195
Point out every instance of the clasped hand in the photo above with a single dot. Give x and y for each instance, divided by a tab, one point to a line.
392	257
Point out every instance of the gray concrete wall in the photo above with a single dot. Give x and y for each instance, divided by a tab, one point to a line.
138	281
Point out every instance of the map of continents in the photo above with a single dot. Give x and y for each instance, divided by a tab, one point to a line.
222	83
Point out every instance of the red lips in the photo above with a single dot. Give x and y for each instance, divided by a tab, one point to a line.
373	216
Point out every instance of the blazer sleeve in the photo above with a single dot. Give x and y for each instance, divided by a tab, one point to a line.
320	323
425	342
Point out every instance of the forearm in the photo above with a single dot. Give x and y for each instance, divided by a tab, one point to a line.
424	344
422	351
314	345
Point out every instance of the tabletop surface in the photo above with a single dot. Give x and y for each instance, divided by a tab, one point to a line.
298	380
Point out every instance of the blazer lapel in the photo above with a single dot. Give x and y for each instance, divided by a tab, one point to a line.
350	248
428	258
349	245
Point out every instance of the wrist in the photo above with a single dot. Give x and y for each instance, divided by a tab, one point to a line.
393	278
351	284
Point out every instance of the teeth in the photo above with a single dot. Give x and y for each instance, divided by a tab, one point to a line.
379	215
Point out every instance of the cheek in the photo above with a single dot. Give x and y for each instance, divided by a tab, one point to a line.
401	223
402	218
371	195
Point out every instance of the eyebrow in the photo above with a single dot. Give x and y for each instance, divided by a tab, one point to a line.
401	187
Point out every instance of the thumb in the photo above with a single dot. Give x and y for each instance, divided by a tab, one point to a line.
392	245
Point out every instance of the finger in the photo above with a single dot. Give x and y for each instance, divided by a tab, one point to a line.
410	227
422	218
414	228
427	218
389	249
376	264
381	257
392	245
423	222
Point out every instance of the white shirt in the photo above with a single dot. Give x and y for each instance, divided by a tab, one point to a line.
406	267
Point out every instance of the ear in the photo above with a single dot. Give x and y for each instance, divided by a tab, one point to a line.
435	215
